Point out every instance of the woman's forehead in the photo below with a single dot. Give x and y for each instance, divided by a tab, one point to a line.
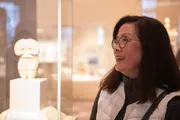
126	29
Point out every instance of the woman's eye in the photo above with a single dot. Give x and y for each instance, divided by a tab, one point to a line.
124	39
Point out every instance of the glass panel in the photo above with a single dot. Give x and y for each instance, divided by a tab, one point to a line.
66	58
3	91
47	36
29	40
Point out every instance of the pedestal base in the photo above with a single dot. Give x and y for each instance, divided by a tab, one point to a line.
28	95
49	113
25	116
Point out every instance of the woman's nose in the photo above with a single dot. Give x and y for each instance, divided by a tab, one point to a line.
117	48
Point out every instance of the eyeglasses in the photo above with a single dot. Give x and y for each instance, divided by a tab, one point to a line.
122	42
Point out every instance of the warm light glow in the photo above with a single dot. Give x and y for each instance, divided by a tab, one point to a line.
40	30
166	20
167	23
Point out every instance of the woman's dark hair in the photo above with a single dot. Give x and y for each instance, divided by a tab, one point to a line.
158	67
178	57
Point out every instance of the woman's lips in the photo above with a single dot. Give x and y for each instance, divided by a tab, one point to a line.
119	58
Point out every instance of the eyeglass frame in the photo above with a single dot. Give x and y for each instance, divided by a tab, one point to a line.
117	42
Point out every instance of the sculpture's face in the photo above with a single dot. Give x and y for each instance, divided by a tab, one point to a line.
26	48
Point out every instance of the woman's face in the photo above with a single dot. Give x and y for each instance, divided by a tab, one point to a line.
127	56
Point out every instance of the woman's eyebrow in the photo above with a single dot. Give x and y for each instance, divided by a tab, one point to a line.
126	34
123	35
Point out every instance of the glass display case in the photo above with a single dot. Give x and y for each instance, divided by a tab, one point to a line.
49	94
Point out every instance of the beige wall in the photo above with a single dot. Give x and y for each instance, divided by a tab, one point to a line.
47	19
83	12
104	12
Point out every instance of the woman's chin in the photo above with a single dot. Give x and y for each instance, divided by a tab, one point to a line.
119	68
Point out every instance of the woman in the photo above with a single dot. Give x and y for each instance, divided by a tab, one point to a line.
145	80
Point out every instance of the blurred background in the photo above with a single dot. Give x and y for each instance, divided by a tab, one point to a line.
86	34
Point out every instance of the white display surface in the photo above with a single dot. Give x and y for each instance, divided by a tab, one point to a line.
28	95
26	116
48	113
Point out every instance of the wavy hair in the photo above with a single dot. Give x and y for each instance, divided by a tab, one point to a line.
158	67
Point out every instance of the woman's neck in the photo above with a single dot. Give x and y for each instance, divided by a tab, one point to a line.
130	74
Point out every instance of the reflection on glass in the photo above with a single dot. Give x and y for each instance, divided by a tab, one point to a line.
20	20
3	92
13	18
